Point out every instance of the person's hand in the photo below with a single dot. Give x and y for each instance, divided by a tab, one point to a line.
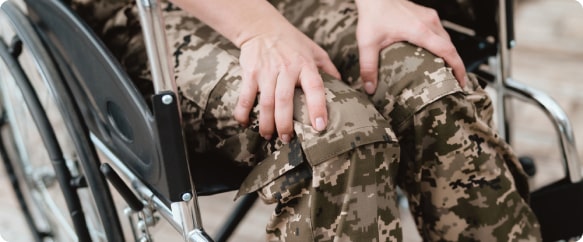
274	63
382	23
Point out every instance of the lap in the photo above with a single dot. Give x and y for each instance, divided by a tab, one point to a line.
415	88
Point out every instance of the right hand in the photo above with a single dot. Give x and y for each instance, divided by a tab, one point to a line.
274	63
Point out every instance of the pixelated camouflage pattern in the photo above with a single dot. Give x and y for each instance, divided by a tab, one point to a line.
420	131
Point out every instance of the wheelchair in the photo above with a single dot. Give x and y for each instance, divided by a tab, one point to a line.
97	129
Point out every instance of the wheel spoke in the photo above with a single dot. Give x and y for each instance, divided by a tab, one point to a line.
55	210
35	141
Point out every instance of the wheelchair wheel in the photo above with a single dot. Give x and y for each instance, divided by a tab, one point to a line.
36	148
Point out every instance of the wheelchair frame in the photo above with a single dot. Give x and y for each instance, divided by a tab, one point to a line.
175	197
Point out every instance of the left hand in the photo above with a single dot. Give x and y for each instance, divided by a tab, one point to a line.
383	23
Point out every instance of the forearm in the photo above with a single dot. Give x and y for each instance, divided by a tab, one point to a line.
237	20
363	4
360	2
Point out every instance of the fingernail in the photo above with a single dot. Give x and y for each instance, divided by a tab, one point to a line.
285	138
466	81
267	137
369	87
320	125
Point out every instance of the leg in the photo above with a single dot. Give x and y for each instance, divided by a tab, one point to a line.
337	191
287	181
349	164
448	146
463	181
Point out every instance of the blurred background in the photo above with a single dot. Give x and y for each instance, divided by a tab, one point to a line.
548	56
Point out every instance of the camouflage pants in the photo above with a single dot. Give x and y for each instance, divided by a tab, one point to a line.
419	131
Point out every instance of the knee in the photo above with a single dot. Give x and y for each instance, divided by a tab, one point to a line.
412	78
408	66
353	121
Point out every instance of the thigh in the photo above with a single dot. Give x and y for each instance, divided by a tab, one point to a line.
97	12
332	25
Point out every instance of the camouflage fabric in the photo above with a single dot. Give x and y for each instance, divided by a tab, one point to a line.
420	131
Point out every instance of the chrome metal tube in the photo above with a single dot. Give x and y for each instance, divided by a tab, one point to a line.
183	216
504	67
152	23
143	191
560	121
506	87
503	114
186	213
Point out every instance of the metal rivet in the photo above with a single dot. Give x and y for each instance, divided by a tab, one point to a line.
186	197
167	99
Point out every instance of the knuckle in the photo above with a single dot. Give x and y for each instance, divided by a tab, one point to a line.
450	51
367	69
284	65
432	16
240	118
251	73
417	30
266	102
422	30
245	102
240	115
284	127
314	85
366	44
285	96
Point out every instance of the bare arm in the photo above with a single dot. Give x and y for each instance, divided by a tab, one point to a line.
237	20
275	59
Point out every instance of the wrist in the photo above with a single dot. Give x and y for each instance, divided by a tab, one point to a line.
250	31
269	21
238	21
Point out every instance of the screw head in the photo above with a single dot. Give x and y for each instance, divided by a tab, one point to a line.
186	196
167	99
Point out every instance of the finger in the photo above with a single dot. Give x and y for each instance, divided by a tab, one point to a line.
284	94
267	103
369	66
313	87
327	66
446	50
454	60
247	95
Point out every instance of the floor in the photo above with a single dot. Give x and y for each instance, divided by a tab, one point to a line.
548	56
